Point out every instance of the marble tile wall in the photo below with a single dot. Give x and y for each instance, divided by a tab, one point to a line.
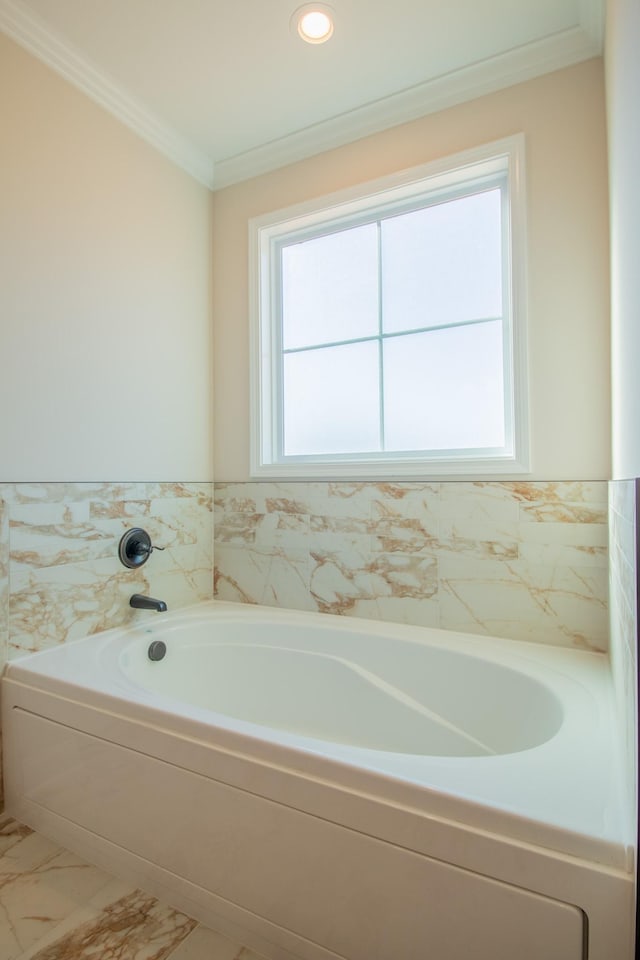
61	543
525	560
624	626
4	580
60	576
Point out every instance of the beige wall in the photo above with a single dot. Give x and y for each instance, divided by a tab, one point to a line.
623	116
105	369
562	116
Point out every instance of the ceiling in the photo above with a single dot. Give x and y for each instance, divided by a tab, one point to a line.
227	90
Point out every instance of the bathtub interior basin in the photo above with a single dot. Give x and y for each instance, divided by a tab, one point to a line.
353	689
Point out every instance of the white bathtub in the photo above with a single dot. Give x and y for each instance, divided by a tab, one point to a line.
322	787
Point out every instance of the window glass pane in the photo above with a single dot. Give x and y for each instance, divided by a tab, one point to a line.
444	389
330	288
331	400
442	264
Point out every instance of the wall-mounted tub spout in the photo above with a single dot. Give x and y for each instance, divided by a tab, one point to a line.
141	602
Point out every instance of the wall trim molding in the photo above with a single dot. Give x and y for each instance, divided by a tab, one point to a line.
488	76
525	63
33	34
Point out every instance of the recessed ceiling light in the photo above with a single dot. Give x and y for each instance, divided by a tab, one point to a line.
313	22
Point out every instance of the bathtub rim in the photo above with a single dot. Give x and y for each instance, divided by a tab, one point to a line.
437	797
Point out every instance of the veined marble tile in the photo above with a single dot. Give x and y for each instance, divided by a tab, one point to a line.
539	578
163	506
234	498
30	493
339	580
278	528
480	538
254	497
68	602
563	554
237	527
526	601
239	574
409	500
119	509
327	545
622	497
623	570
562	512
623	618
54	604
543	543
50	513
558	491
272	577
177	587
415	611
52	545
483	549
623	536
520	559
40	886
351	501
491	502
341	526
387	534
171	522
405	534
11	833
4	581
563	534
133	927
66	578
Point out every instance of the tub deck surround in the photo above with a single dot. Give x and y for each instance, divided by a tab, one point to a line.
520	560
100	755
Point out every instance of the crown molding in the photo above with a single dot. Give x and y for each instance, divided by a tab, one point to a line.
592	21
30	32
488	76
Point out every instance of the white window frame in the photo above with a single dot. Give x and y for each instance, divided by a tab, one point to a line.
268	233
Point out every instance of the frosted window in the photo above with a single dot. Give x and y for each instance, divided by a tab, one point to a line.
388	325
331	400
442	265
444	389
330	288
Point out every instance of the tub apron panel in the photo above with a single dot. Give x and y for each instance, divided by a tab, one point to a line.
356	896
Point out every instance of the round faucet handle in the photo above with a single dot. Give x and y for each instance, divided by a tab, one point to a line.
135	547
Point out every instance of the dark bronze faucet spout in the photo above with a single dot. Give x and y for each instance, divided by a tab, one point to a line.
141	602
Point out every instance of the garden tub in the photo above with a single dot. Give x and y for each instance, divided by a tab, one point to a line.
326	787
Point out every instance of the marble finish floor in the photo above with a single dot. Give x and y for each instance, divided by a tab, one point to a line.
54	906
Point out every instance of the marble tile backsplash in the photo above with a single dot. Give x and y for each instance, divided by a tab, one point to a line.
623	603
4	580
60	576
525	560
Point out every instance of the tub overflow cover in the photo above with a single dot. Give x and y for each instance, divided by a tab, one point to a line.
157	650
